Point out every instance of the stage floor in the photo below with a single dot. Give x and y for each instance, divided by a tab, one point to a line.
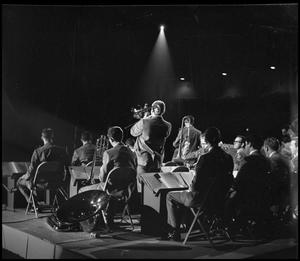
34	238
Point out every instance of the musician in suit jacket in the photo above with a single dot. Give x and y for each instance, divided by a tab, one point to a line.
48	152
250	193
214	167
151	133
188	139
117	156
280	174
85	153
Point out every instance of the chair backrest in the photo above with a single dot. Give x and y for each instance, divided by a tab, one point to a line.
171	163
181	169
90	163
120	178
50	171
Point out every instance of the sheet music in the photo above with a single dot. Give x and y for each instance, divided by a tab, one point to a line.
159	181
171	180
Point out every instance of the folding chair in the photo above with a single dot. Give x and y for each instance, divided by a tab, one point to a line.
202	213
51	174
120	185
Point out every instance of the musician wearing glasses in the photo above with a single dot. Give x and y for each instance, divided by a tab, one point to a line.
239	146
151	133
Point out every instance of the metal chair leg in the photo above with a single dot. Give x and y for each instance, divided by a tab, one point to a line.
31	200
28	203
127	212
196	219
192	225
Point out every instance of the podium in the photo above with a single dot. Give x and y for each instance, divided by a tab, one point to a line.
155	187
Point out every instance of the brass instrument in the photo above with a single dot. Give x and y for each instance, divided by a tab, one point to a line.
141	112
226	147
102	145
185	143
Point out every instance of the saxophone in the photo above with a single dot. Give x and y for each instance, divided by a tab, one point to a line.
102	145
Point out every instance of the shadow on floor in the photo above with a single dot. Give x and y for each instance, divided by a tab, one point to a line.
9	255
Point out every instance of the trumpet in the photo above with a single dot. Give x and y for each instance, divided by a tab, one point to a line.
141	112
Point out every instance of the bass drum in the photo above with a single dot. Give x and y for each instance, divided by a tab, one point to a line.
83	208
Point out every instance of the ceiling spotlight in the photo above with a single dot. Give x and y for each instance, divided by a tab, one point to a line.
272	67
162	27
224	73
181	78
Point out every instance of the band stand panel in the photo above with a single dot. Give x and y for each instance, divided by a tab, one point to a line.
15	240
154	212
39	248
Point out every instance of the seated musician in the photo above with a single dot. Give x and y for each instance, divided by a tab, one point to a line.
48	152
279	175
187	142
117	156
215	164
84	154
249	196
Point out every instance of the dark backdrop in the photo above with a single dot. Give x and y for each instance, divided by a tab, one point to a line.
80	67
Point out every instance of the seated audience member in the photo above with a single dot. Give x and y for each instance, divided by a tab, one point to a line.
48	152
117	156
250	196
84	154
279	175
214	165
239	145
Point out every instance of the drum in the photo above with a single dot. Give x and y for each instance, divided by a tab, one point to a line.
83	208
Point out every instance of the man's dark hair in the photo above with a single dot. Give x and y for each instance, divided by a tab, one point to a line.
115	133
130	141
242	137
47	133
160	105
191	118
273	143
255	140
212	136
86	136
